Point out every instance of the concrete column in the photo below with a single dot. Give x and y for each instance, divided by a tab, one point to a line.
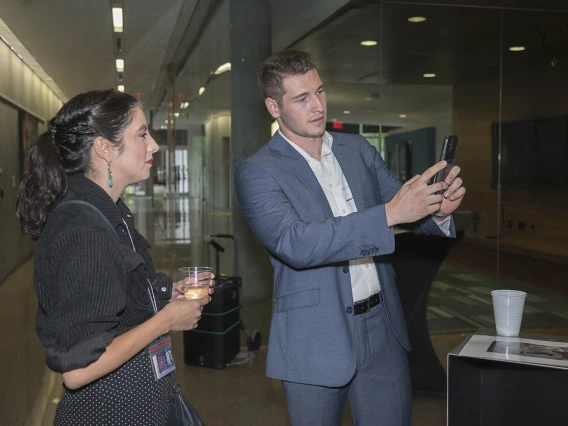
250	22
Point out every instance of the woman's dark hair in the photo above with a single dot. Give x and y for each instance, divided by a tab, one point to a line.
280	65
65	149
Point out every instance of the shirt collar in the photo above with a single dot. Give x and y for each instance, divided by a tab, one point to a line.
327	142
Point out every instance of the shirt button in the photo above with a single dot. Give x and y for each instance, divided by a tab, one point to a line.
345	269
163	289
349	310
366	265
343	211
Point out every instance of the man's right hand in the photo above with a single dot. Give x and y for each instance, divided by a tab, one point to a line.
416	199
185	314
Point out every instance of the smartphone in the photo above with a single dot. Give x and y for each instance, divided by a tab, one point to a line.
448	154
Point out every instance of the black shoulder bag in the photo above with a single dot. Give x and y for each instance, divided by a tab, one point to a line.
181	412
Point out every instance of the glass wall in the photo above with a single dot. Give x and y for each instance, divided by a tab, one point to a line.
404	75
494	77
202	102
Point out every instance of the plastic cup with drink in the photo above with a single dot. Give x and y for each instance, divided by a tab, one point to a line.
196	281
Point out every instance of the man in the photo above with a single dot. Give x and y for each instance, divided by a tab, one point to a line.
324	205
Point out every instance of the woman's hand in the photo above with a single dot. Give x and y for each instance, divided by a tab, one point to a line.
185	314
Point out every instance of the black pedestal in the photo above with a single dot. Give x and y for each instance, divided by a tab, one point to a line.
216	341
491	392
416	261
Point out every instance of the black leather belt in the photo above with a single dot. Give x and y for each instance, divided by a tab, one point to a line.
365	305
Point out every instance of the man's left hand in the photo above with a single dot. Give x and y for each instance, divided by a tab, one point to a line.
453	196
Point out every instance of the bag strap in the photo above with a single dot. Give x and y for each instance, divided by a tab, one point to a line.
84	203
174	384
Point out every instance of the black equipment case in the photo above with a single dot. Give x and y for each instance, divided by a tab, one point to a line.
216	341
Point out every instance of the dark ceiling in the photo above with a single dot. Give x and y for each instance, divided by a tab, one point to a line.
458	44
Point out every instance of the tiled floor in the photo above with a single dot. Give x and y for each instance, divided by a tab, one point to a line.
239	394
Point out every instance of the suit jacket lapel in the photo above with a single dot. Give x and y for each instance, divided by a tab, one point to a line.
346	160
299	166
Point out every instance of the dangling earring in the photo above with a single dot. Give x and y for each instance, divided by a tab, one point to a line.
109	176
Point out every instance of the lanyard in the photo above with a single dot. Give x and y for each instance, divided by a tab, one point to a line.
152	297
149	289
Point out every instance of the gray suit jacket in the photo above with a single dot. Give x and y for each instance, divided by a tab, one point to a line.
312	330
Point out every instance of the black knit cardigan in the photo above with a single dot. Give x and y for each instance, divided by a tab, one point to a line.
91	286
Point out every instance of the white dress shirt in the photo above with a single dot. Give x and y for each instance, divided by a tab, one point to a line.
364	278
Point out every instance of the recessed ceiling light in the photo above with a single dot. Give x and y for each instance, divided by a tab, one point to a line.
176	114
429	75
416	19
402	115
346	112
117	21
201	91
517	48
223	68
369	43
120	88
368	98
120	65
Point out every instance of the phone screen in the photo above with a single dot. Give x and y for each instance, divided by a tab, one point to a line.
448	154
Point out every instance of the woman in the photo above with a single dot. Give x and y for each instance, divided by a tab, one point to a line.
102	305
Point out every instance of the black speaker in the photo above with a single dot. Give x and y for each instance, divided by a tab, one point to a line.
216	341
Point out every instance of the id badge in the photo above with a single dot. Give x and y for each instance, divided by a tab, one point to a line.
162	357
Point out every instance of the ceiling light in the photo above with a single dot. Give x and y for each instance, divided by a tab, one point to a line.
416	19
346	112
166	121
186	104
120	65
429	75
402	115
117	22
120	88
223	68
368	98
201	91
176	114
517	48
369	43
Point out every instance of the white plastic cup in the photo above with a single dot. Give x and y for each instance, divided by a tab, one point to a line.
508	308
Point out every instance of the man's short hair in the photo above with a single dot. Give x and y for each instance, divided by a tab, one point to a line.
280	65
